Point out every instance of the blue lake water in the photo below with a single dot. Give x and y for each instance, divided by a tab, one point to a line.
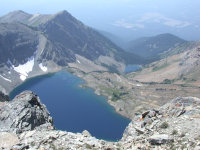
74	108
131	68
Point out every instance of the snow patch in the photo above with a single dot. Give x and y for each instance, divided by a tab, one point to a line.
23	77
78	61
5	78
24	69
138	85
43	68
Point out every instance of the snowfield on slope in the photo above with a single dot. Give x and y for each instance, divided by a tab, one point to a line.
43	68
24	69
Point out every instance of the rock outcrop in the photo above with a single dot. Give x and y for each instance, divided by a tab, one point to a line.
3	97
24	113
26	124
176	125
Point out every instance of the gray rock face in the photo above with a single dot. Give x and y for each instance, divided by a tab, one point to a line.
3	97
24	113
17	43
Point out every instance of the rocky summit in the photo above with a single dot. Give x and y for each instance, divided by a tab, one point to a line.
25	123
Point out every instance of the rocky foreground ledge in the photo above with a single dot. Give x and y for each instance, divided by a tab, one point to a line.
25	123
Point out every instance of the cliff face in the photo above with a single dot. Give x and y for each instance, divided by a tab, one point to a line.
26	124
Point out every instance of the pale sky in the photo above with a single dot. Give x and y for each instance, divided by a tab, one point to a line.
121	17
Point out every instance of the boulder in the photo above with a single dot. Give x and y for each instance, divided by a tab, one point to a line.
158	139
86	133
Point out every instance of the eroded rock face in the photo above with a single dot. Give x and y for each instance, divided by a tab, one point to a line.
24	113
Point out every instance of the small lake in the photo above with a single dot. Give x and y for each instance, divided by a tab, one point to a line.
74	108
131	68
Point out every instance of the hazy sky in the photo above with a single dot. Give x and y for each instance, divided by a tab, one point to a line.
119	16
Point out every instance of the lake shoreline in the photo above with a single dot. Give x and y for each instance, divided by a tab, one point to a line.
35	82
111	103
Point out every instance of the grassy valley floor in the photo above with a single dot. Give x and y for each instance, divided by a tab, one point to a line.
129	96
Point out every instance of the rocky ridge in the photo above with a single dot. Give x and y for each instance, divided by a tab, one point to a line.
28	125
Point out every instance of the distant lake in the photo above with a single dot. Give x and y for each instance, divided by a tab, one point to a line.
131	68
74	108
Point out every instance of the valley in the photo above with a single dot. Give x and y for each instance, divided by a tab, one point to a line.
129	96
32	45
99	62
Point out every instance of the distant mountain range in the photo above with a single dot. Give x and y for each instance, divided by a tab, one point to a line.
152	47
114	38
180	65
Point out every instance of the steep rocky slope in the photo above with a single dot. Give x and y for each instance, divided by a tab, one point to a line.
175	125
18	43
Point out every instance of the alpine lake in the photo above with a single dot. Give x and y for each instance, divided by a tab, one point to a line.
73	108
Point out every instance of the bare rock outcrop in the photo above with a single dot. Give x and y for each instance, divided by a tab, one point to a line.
24	113
176	125
3	97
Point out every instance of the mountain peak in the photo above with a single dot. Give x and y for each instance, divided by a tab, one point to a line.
155	45
63	13
167	35
19	12
15	16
